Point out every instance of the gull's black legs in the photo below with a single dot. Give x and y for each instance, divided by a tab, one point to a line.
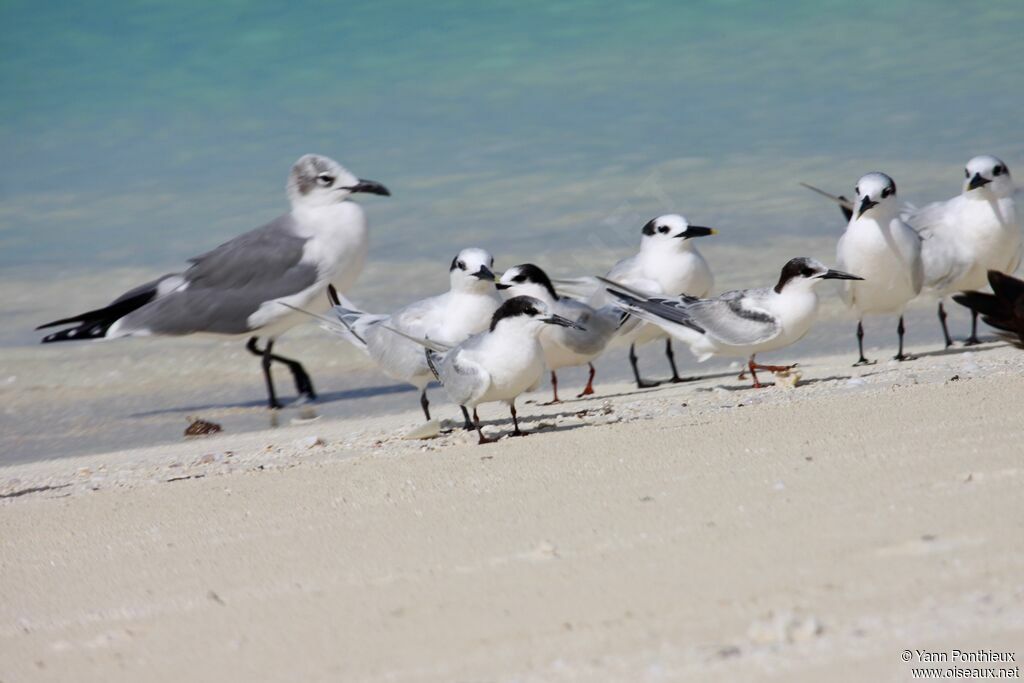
942	321
425	404
303	384
860	346
267	358
640	383
899	354
973	339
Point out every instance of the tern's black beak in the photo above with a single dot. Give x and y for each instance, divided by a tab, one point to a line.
838	275
502	285
564	322
484	274
696	231
977	181
865	204
369	187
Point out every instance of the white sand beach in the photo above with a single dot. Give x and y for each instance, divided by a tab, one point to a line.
701	531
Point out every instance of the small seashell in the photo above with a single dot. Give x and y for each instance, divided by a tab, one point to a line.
427	430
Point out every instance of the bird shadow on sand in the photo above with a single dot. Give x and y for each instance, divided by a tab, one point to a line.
324	398
987	344
638	391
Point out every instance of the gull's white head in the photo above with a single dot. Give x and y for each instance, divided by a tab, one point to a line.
671	231
876	196
804	272
471	271
527	280
321	181
986	176
526	315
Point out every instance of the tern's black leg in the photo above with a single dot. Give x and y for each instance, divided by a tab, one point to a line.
554	389
589	389
515	421
860	346
267	358
942	321
973	339
303	384
640	383
479	430
425	404
899	354
468	424
672	362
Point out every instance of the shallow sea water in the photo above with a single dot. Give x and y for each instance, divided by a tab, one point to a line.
136	135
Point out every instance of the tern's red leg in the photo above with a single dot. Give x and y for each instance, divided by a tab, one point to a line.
752	366
589	389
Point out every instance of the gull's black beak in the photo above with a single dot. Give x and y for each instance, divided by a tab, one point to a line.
369	187
838	275
696	231
977	181
865	204
484	274
564	322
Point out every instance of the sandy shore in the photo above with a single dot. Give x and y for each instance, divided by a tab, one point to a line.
703	531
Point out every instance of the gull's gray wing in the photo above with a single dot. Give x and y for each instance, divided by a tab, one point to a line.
226	285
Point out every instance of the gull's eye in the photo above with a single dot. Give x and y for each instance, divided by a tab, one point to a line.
663	229
325	180
461	265
998	170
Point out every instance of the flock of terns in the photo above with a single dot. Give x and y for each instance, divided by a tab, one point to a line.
492	336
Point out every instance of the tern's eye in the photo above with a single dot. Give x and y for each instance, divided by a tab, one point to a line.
856	190
461	265
519	278
887	192
663	229
998	170
325	180
967	174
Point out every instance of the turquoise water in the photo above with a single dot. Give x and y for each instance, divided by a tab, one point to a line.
136	134
142	132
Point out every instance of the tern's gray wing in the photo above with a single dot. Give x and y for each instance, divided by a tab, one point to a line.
464	380
225	286
941	264
600	325
736	318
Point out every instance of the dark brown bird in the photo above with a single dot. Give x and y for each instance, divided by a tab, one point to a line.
1003	309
